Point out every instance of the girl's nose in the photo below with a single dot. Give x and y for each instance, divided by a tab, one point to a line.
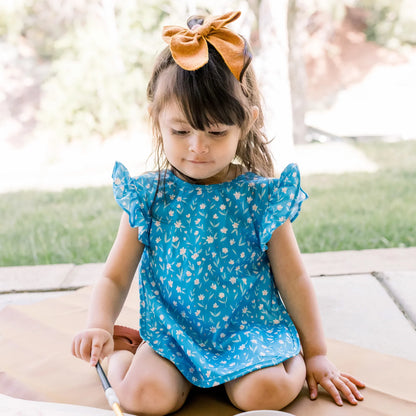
197	144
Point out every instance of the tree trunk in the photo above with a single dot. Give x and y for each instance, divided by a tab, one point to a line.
297	71
272	68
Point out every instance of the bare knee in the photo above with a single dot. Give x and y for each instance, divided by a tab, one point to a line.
269	388
146	383
151	395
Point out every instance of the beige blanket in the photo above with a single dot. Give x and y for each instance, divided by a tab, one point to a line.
36	364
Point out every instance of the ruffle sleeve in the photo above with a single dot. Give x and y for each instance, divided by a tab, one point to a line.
285	199
133	196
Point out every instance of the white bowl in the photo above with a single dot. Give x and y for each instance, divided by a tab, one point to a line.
264	413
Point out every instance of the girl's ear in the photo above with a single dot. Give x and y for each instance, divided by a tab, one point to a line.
254	113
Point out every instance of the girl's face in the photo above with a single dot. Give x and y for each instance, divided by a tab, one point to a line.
204	155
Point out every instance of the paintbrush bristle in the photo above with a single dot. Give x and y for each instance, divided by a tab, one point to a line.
117	409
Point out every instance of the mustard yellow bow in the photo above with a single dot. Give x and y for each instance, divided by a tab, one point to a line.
189	48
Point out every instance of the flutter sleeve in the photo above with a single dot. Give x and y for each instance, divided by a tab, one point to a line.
285	199
133	196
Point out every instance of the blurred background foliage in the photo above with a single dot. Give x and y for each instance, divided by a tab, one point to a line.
98	54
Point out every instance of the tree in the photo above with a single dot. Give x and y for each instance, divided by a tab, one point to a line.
272	66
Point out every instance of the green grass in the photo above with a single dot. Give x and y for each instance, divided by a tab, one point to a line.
362	210
72	226
344	212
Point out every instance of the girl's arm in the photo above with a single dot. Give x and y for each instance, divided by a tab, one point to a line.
297	292
109	295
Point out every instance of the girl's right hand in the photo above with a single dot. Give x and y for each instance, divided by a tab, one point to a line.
92	344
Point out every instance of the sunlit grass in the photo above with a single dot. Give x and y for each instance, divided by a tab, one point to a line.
363	210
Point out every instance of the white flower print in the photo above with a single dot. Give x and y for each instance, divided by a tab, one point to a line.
193	251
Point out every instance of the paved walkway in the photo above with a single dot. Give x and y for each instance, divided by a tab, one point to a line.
367	298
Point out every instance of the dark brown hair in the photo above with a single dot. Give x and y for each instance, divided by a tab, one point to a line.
211	95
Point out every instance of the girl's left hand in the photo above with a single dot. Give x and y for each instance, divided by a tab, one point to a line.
319	370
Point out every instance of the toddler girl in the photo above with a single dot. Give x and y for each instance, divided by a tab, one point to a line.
224	296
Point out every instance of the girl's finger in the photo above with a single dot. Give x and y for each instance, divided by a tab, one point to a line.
96	349
313	388
329	386
353	388
85	349
345	390
353	380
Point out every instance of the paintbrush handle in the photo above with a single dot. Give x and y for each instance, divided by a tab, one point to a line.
110	394
103	377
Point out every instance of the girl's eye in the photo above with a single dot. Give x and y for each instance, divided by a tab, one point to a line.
218	133
180	132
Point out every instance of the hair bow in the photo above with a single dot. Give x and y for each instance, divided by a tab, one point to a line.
189	47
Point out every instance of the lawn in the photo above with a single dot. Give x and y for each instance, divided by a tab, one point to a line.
344	212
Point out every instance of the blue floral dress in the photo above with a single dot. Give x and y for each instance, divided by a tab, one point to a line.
208	302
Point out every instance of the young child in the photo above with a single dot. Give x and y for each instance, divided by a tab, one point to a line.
224	295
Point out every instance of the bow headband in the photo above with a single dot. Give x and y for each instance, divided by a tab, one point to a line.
189	47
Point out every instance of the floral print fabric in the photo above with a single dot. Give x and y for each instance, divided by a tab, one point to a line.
208	302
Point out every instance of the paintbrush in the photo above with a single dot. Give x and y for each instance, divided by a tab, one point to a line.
109	392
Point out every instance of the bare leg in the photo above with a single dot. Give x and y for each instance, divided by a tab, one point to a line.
146	383
269	388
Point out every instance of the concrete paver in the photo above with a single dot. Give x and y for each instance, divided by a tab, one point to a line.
33	278
357	309
402	287
83	275
27	298
360	261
